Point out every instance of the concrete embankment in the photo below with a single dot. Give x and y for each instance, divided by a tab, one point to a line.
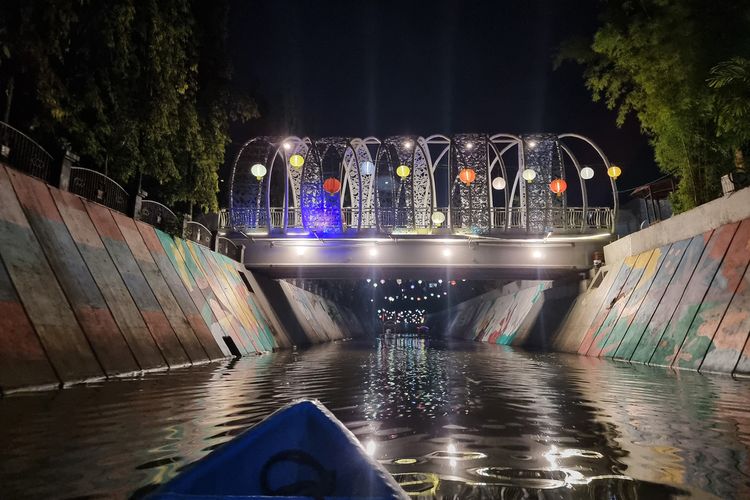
519	314
676	294
87	292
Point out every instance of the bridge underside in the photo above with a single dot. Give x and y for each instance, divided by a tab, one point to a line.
465	258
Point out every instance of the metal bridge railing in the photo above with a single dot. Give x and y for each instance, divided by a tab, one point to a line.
23	153
227	247
158	215
516	219
197	232
97	187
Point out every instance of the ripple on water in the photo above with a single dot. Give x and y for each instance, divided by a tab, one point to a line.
463	420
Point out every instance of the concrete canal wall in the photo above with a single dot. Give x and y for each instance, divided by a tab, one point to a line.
676	294
519	314
87	292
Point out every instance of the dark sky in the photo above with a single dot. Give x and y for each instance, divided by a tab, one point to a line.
358	68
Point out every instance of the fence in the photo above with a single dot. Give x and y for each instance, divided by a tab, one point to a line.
227	247
22	153
198	233
98	187
514	219
158	215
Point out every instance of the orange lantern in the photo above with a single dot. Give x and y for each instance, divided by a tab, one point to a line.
558	186
467	175
331	186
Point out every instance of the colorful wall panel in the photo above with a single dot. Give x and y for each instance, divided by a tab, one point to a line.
498	317
685	305
44	301
71	271
321	319
87	293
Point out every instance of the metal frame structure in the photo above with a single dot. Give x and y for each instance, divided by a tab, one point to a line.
373	198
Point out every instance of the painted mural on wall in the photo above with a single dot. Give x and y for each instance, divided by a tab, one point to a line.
685	305
496	317
322	320
92	293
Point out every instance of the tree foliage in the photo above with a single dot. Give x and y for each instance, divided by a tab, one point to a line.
134	86
676	66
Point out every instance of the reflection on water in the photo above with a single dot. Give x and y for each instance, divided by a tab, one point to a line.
461	420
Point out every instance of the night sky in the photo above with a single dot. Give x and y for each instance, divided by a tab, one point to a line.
358	68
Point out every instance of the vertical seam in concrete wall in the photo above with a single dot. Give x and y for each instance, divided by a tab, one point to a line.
87	206
172	249
655	308
74	248
33	329
247	304
637	273
179	291
227	327
692	273
218	291
598	320
705	294
723	315
74	371
240	308
160	289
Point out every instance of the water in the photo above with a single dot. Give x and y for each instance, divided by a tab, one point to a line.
464	420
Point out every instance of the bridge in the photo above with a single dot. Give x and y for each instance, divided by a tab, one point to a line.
479	205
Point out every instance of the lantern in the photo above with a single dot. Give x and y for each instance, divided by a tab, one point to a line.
529	175
467	175
498	183
438	218
366	168
258	170
614	171
587	173
558	186
296	161
331	186
403	171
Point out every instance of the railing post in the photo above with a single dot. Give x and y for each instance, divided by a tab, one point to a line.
69	159
138	202
242	254
185	219
214	241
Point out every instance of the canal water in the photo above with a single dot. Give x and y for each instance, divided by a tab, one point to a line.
449	420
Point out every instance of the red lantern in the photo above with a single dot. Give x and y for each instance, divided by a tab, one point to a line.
467	175
558	186
331	186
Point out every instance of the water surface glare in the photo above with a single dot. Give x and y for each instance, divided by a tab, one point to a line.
449	420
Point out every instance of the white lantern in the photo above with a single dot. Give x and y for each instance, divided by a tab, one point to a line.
258	170
498	183
587	173
366	168
438	218
529	175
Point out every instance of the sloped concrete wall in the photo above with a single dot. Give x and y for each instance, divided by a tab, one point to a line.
519	314
683	304
320	319
87	293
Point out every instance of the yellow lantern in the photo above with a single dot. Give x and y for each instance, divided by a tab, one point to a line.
614	171
296	161
529	175
403	171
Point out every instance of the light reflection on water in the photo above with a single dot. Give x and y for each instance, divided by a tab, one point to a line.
460	420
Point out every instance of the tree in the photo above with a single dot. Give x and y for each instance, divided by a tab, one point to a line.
731	79
653	59
136	87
